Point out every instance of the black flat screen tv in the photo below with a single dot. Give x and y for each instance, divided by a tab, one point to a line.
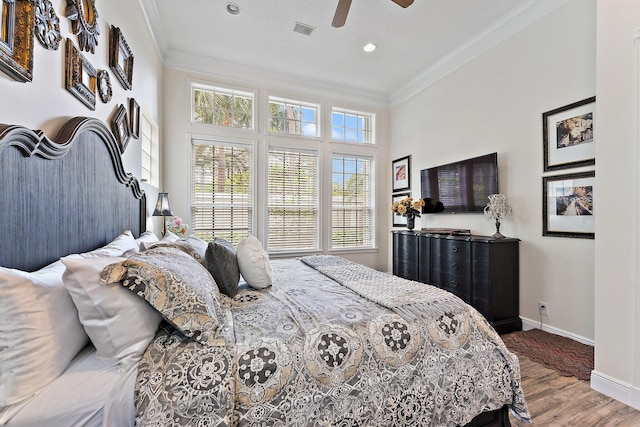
460	187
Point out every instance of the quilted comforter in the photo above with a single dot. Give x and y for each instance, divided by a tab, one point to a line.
311	351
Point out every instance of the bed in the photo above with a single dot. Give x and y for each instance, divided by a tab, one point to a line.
140	331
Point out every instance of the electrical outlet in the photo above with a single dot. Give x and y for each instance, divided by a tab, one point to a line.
543	308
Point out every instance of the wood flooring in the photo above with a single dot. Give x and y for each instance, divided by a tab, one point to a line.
556	401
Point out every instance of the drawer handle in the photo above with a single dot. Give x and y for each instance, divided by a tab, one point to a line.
455	249
455	266
454	283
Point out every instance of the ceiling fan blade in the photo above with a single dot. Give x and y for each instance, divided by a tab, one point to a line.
341	13
403	3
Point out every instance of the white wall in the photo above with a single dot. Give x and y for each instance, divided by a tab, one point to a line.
178	131
45	104
617	300
495	103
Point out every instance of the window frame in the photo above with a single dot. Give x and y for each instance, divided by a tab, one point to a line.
154	154
345	111
294	148
371	208
290	100
215	140
228	89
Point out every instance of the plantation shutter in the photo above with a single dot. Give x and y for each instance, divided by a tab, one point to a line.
292	217
351	202
221	190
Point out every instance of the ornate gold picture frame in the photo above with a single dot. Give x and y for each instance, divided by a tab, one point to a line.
80	76
121	58
84	23
16	39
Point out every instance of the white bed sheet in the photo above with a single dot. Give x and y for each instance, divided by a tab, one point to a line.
88	393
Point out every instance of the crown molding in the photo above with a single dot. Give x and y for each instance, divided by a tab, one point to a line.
251	76
151	14
508	25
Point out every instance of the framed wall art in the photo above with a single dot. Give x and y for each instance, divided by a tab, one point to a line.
568	205
120	127
17	22
399	220
104	86
401	174
47	25
121	58
134	118
84	23
568	134
80	76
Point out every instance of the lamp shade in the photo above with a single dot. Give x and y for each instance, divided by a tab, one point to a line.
163	208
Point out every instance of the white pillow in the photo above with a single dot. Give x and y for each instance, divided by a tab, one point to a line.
40	332
119	323
168	238
146	238
254	263
125	242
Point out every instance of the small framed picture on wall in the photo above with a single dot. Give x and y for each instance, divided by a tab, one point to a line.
401	174
568	134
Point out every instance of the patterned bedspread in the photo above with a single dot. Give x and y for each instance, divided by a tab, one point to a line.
309	351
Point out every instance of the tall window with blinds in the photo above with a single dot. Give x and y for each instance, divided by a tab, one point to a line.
292	217
351	202
222	190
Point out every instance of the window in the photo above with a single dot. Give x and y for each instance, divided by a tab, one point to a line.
351	126
221	190
351	202
292	218
222	106
293	117
150	147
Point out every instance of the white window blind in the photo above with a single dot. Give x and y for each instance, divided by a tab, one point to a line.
351	202
292	218
221	191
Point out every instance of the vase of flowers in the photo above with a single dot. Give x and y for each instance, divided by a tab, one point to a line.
177	227
409	209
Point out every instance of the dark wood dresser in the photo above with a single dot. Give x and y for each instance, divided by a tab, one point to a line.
481	270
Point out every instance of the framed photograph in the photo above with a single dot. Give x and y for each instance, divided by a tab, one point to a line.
81	78
401	174
134	118
120	127
568	205
121	58
399	220
568	134
17	23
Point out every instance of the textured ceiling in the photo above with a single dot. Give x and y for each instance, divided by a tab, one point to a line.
409	40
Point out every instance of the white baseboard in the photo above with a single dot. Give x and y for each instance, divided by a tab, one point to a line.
532	324
615	389
600	382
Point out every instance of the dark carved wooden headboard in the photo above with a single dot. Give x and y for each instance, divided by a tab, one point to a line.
64	195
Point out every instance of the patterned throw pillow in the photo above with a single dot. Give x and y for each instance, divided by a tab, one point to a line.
222	263
176	285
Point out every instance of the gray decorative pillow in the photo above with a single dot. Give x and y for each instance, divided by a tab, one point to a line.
220	260
176	285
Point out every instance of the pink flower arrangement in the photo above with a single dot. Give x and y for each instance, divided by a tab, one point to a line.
177	227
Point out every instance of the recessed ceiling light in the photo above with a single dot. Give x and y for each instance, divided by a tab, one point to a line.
232	9
369	47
